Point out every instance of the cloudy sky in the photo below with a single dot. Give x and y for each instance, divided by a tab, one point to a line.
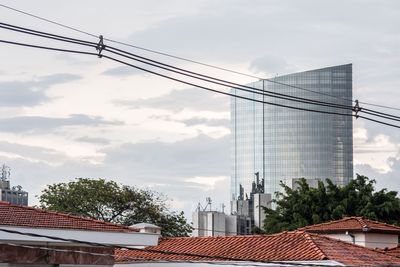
64	116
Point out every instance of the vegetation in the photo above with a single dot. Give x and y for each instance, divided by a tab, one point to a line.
304	205
112	202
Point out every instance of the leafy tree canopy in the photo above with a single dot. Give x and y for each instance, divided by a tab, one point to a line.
305	205
111	202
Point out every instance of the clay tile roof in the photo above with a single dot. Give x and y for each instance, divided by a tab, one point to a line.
286	246
394	251
355	224
23	216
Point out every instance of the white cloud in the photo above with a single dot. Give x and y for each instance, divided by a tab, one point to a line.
375	151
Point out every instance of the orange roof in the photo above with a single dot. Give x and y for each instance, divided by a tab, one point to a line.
23	216
286	246
394	251
356	224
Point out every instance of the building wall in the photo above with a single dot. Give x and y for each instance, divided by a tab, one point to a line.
284	144
375	240
260	201
370	240
208	223
14	196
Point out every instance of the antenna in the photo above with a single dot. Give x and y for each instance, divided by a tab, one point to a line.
5	172
209	202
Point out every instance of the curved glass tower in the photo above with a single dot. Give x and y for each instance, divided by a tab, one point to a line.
284	144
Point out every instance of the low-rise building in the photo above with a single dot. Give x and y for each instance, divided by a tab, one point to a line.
30	236
359	231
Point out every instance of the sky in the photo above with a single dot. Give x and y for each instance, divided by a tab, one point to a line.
64	116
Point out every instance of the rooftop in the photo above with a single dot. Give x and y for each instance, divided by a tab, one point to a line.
23	216
355	224
286	246
394	251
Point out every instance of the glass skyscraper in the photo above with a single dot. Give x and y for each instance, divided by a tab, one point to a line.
283	144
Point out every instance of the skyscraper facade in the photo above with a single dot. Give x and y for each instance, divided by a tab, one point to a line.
283	144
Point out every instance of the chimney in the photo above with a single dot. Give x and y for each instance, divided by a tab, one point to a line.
147	228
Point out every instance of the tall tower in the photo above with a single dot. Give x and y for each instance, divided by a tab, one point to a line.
284	144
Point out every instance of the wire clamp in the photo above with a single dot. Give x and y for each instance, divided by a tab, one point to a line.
356	109
100	46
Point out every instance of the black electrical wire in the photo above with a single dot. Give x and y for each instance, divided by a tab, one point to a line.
184	59
44	34
381	122
195	85
175	79
174	69
381	113
166	54
183	71
49	48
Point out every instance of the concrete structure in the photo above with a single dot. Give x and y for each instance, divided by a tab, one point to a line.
359	231
15	194
283	144
252	206
247	212
216	223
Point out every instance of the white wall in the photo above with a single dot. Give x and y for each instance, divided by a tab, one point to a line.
374	240
130	239
370	240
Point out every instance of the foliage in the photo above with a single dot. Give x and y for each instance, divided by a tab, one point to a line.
305	205
111	202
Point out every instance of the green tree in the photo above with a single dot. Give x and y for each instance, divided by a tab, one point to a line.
305	205
111	202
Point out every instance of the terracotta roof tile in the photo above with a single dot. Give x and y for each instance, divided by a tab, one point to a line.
394	251
356	224
286	246
23	216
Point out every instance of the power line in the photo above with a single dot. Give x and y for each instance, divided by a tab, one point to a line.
175	79
91	44
175	69
380	106
48	20
166	54
182	58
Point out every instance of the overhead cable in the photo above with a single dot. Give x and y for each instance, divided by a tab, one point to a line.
163	53
174	69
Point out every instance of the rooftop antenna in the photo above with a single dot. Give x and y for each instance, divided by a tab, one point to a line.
223	207
5	173
209	201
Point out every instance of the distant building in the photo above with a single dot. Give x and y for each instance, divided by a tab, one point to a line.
15	194
359	231
247	213
252	206
284	144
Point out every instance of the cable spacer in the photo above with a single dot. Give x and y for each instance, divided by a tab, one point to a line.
100	46
356	108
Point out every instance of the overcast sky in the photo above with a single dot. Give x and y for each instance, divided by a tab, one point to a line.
64	116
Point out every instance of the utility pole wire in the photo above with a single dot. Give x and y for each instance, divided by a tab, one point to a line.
91	44
164	54
182	58
173	68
